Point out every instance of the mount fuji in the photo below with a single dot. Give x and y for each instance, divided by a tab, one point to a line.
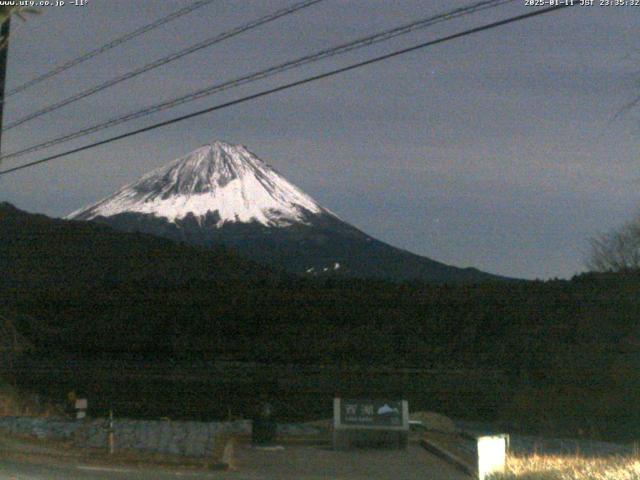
224	194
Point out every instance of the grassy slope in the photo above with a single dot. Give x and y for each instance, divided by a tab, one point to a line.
554	467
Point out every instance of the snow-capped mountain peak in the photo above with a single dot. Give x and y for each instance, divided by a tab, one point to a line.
217	178
223	195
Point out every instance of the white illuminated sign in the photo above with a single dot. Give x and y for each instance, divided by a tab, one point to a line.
492	455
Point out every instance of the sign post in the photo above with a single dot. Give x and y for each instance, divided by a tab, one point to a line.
372	423
81	405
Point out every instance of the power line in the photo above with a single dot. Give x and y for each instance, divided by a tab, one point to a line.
165	60
287	86
262	74
108	46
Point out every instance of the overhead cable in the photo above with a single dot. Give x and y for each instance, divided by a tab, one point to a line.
162	61
288	86
262	74
108	46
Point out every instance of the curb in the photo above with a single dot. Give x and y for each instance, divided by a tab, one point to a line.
437	450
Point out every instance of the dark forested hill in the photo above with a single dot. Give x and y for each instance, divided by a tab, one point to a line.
145	292
569	349
85	279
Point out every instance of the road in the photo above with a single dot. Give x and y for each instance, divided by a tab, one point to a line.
22	470
291	463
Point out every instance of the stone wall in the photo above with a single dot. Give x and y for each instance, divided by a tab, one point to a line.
194	439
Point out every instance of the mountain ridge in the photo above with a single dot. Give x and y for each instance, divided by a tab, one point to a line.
222	194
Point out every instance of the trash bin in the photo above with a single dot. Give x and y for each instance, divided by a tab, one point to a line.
264	426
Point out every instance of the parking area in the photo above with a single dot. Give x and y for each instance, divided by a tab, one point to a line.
288	463
307	463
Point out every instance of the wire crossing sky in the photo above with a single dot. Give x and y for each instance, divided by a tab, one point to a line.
291	85
108	46
164	61
266	73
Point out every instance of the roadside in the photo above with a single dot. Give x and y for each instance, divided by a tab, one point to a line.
50	452
47	460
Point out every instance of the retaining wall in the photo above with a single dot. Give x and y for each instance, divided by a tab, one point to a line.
194	439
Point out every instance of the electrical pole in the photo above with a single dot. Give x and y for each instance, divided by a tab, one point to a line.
4	33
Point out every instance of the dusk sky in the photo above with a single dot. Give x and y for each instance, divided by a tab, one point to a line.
501	150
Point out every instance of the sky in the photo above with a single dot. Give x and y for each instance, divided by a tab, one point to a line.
505	150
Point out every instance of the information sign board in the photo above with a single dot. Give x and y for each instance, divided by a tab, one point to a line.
376	414
370	422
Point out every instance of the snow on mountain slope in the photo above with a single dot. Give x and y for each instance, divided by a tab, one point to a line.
220	177
222	194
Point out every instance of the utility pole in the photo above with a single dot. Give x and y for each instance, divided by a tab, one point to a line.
4	33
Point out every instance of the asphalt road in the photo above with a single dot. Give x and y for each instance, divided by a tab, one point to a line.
292	463
14	470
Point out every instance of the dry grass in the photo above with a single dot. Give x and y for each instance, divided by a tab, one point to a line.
557	467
